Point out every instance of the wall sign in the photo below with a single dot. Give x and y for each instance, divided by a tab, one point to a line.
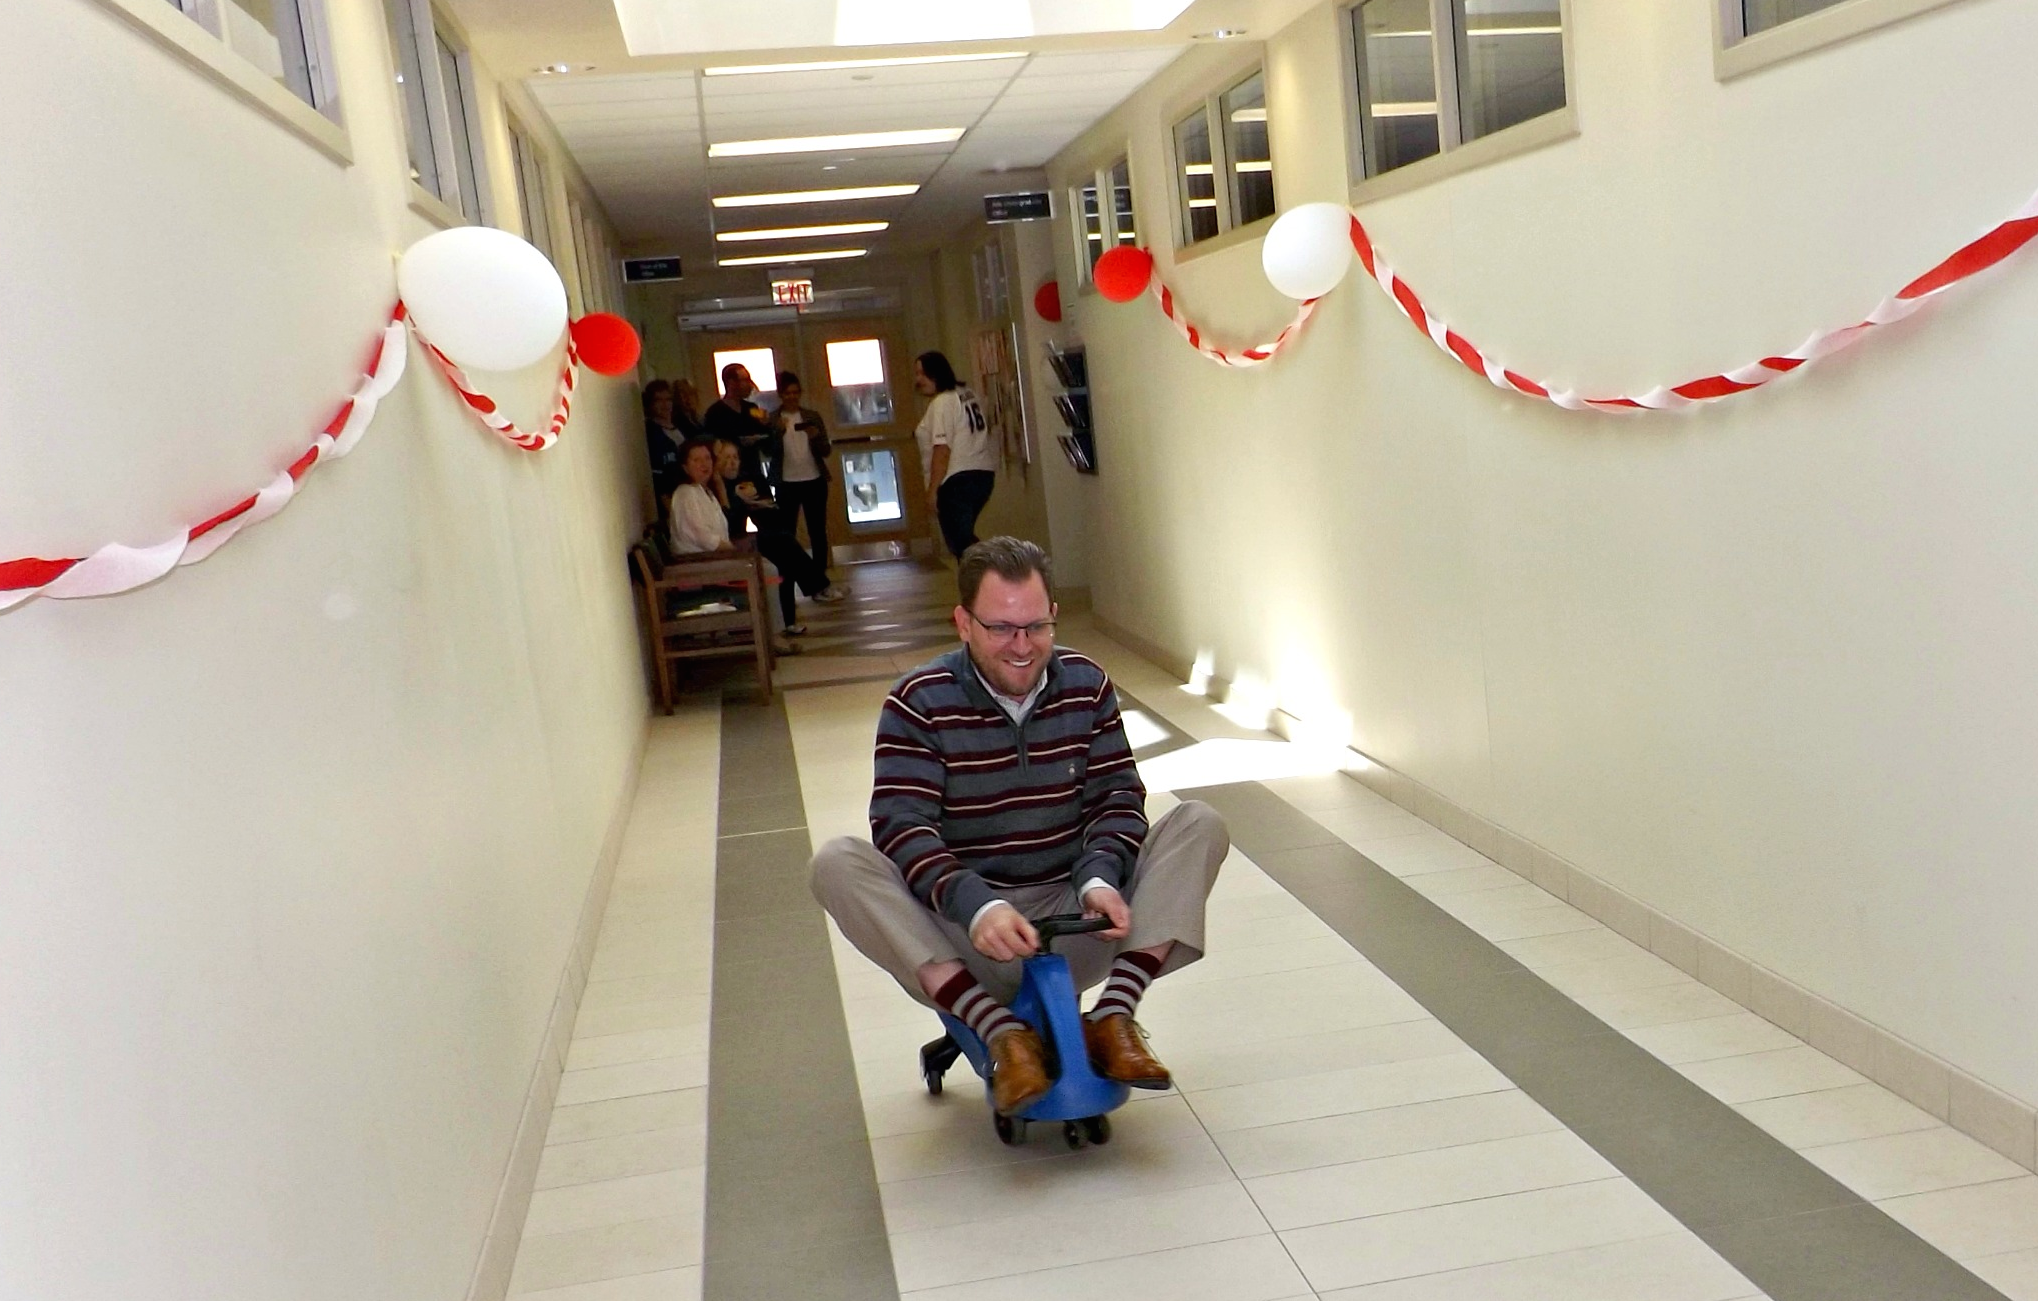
1033	205
645	270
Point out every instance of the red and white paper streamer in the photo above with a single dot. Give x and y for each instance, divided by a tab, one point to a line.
1256	355
485	409
116	567
2013	234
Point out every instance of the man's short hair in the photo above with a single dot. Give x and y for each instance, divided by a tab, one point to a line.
1013	559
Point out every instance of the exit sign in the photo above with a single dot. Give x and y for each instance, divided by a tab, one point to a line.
792	293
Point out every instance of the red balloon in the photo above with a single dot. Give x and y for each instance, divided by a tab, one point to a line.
1123	272
608	344
1047	301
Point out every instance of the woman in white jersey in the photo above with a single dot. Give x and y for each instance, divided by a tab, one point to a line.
957	449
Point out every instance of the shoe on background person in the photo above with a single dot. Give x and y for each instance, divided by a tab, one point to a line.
834	593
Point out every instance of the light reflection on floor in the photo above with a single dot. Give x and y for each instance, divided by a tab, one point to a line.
1224	759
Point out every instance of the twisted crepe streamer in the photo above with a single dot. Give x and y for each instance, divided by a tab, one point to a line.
2020	229
1252	356
118	568
485	409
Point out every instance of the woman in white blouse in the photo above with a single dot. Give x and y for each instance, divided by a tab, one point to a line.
698	524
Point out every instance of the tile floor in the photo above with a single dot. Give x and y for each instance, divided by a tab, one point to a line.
1327	1138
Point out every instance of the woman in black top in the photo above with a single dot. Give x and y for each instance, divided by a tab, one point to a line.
664	435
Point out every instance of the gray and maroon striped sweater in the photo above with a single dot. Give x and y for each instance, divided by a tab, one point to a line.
967	802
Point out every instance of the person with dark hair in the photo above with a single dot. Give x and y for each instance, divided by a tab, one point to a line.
798	452
1006	792
735	417
746	499
663	437
957	450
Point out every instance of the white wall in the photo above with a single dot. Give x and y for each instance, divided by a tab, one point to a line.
1764	666
292	843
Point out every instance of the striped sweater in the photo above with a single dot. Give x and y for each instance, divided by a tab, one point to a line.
966	802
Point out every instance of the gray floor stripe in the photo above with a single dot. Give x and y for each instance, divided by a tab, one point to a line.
792	1198
1792	1229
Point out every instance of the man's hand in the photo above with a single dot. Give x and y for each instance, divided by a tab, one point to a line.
1103	901
1003	934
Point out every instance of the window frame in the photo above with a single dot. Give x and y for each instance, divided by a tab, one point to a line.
1099	174
189	29
1224	179
532	182
1736	53
426	27
1455	154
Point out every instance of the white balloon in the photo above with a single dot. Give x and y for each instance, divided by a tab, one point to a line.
1308	249
485	298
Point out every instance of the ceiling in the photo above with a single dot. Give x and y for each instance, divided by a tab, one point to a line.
640	123
641	139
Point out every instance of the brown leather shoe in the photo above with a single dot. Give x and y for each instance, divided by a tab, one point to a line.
1018	1071
1118	1051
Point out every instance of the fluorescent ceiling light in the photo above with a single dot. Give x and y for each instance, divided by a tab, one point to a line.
802	232
815	196
829	144
752	69
1413	108
1262	166
1249	115
783	259
1202	203
1199	169
809	29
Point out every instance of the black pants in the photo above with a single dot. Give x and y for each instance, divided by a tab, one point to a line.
795	568
957	502
808	499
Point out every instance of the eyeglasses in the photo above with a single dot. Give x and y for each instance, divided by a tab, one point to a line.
1007	631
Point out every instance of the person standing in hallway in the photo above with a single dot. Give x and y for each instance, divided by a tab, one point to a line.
745	500
798	451
957	450
663	437
1006	792
735	417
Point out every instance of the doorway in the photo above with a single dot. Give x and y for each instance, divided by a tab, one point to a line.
857	375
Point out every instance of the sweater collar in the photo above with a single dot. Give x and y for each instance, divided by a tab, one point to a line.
964	668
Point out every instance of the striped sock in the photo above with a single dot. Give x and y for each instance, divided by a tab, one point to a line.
1129	977
970	1003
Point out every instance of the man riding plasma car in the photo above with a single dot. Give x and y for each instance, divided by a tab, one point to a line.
1006	792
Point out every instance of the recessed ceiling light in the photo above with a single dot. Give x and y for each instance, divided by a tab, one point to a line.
824	144
751	69
1221	34
802	232
561	69
815	196
782	259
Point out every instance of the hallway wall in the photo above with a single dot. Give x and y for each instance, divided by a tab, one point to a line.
294	841
1760	666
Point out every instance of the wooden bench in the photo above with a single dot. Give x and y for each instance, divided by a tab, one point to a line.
676	637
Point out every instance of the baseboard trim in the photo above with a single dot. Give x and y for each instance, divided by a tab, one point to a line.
2004	1123
491	1277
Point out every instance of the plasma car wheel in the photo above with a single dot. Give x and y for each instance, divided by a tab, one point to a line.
1097	1129
1010	1132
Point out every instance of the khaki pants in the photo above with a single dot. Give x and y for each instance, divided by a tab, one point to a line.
867	896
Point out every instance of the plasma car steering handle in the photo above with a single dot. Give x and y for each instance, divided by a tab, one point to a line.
1053	928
